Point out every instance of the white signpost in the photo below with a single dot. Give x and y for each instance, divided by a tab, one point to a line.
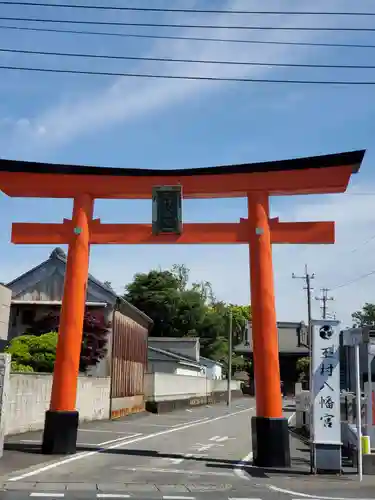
354	337
325	396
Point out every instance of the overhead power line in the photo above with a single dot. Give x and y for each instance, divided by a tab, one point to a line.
189	38
185	77
195	11
189	61
192	26
355	280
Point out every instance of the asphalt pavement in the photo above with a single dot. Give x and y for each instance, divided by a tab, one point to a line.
189	454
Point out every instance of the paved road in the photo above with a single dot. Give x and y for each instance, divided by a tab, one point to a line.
198	446
186	455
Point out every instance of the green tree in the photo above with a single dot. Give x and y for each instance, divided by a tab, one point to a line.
158	294
241	316
364	317
182	273
204	288
179	310
303	368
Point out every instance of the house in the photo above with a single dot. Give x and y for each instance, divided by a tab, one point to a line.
290	350
179	355
162	361
214	369
39	291
185	346
188	350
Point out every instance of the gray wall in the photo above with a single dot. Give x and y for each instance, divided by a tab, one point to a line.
5	298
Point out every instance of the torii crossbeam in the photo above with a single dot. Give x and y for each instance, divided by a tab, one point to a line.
257	182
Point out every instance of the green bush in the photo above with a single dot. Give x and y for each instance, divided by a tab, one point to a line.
33	354
15	367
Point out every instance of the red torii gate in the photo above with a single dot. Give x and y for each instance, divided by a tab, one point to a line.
257	182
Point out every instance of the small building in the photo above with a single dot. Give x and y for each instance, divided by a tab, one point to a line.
290	350
187	350
162	361
179	354
39	292
185	346
214	369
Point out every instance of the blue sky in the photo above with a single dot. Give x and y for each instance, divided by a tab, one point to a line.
177	124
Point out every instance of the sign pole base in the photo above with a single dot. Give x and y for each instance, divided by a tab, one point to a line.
327	458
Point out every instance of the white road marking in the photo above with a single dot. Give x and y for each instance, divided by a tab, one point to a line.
37	441
202	447
224	438
239	468
87	444
241	498
188	422
103	431
125	441
214	438
189	410
302	496
112	495
171	497
45	494
177	471
195	455
138	425
174	461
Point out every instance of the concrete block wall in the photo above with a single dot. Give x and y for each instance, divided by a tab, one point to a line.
29	397
169	387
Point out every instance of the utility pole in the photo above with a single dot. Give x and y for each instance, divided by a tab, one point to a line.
307	279
230	336
324	299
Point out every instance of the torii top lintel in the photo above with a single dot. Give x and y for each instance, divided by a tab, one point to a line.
311	175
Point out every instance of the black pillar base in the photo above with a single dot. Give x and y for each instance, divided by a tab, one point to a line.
270	438
60	432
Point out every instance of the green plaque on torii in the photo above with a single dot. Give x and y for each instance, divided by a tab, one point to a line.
167	209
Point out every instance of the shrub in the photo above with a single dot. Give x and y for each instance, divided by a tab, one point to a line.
37	348
37	353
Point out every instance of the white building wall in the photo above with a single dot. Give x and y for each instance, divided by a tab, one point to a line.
190	372
5	298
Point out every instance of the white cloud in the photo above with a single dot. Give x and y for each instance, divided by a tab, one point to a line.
126	99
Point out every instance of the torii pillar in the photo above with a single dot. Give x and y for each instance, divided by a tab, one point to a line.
270	433
62	418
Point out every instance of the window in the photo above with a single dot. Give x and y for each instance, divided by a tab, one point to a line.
28	316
